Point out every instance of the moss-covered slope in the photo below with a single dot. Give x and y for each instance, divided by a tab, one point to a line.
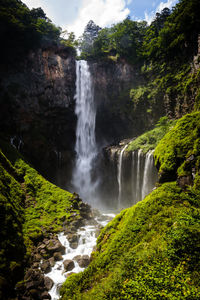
151	250
30	208
178	153
150	139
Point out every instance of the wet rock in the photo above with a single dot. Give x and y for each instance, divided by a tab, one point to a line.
37	257
68	265
83	261
48	282
55	246
45	266
52	261
57	256
36	265
34	294
85	210
45	295
73	240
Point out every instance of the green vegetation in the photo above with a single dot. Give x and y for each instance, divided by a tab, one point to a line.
150	139
151	250
181	157
31	208
23	30
162	52
170	32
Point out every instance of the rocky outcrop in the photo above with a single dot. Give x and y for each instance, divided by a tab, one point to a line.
112	83
37	108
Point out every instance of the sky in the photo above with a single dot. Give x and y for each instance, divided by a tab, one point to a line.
73	15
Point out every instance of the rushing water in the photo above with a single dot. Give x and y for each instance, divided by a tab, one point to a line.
86	148
136	176
87	241
119	175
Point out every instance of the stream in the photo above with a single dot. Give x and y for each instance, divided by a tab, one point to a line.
87	241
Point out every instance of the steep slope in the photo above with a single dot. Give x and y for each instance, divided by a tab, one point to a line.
32	209
151	250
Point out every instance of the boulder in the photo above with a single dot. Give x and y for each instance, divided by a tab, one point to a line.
83	261
45	266
48	282
45	295
54	245
57	256
68	265
73	240
52	261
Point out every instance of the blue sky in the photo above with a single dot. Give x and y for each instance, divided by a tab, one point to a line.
73	15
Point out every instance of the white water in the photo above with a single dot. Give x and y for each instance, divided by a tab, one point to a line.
87	241
86	148
138	175
147	173
119	175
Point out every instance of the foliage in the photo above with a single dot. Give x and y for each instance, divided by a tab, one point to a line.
24	29
150	139
12	249
122	40
181	155
149	251
31	208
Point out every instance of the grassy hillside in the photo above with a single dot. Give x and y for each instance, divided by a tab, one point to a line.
151	250
31	208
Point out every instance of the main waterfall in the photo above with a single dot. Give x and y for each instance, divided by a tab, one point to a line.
86	148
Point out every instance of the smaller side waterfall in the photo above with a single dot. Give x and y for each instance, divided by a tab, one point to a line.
136	176
119	175
149	164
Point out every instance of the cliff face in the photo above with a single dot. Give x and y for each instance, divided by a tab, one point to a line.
112	84
118	116
37	108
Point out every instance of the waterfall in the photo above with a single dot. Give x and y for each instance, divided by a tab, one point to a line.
144	174
146	186
119	174
138	176
86	148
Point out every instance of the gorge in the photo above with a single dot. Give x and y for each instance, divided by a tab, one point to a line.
114	132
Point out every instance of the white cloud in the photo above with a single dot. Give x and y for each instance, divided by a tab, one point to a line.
150	16
59	11
102	12
129	2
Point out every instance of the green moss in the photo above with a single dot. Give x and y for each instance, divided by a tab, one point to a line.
150	139
30	208
182	152
149	251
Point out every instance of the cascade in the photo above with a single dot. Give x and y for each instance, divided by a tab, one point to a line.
146	186
145	174
119	175
136	176
86	148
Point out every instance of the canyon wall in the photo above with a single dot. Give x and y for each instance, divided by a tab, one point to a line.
37	108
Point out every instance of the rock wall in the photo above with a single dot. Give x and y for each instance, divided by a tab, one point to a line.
37	109
112	84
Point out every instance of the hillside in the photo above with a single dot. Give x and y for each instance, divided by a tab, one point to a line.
32	209
151	250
